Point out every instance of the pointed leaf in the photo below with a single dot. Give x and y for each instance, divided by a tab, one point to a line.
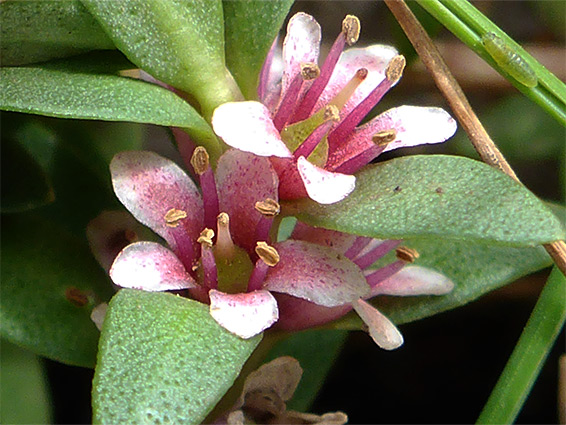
178	42
50	283
441	196
36	31
58	92
250	27
163	359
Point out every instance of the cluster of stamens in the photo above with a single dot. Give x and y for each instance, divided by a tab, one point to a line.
222	264
302	130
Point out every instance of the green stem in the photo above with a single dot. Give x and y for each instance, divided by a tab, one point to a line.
469	25
529	354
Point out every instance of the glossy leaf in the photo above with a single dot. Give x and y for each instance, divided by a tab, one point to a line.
475	269
24	393
251	26
25	185
50	283
57	92
437	196
36	31
163	359
178	42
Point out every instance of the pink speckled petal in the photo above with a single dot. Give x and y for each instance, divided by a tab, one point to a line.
316	273
245	314
324	187
296	314
151	267
302	44
373	58
414	280
415	125
338	241
242	180
247	126
149	185
381	329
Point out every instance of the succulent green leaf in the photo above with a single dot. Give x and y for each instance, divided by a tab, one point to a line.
178	42
475	269
437	196
250	27
39	30
163	359
50	283
58	92
23	387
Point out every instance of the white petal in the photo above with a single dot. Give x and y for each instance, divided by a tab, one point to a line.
414	280
301	44
245	314
248	126
324	187
98	314
151	267
415	125
381	329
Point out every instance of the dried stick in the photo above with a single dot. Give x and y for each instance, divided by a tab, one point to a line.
451	90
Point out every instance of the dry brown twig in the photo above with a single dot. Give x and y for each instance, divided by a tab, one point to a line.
457	100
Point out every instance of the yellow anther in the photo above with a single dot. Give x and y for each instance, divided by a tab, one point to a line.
268	254
384	137
174	216
351	28
407	255
269	207
200	160
206	237
309	71
395	68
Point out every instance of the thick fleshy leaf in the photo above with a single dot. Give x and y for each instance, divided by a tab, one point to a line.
250	27
247	126
244	314
475	269
149	186
24	392
414	280
151	267
36	31
380	328
443	196
71	94
180	43
25	184
242	180
50	283
316	273
163	359
322	186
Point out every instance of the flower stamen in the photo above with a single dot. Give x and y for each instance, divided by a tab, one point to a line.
208	262
309	71
349	34
201	164
269	208
174	216
393	73
408	255
384	137
268	257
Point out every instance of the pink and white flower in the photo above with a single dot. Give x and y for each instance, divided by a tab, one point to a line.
307	120
220	249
